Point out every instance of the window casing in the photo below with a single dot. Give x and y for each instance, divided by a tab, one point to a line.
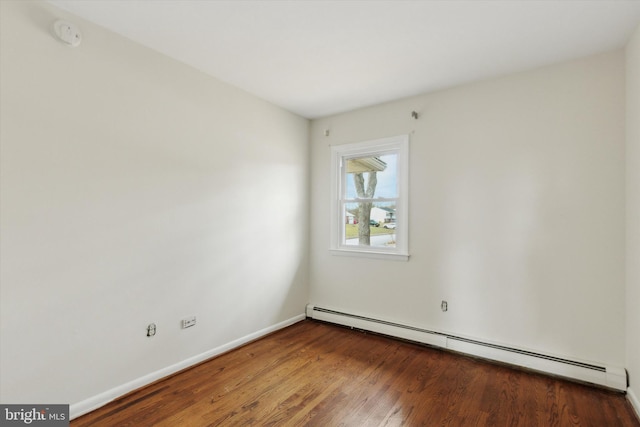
369	215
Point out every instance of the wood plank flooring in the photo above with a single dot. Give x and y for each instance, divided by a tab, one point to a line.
316	374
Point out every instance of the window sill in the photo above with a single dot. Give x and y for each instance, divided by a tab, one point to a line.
359	253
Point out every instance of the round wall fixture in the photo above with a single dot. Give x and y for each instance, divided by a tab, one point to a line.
67	33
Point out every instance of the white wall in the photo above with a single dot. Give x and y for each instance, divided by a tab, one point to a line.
633	218
129	185
516	212
134	190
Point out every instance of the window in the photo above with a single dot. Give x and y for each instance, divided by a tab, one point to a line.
369	198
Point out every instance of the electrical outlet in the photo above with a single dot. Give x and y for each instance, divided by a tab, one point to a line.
444	306
188	322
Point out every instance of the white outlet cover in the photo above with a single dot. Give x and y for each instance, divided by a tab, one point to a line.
188	322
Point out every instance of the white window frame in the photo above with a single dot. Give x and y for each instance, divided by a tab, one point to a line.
339	153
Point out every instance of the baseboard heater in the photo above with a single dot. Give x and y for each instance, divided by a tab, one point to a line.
611	377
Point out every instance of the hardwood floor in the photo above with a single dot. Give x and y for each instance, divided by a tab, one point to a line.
318	374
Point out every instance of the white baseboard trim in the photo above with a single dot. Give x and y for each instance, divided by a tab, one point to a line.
633	398
92	403
608	376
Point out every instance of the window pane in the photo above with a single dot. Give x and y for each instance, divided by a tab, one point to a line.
369	177
370	224
368	197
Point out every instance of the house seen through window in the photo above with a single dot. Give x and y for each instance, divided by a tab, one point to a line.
370	197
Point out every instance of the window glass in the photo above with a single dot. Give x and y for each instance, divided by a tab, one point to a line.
383	170
379	231
370	198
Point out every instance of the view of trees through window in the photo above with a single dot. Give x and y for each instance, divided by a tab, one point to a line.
370	200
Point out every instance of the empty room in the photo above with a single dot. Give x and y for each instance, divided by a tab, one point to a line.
323	213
